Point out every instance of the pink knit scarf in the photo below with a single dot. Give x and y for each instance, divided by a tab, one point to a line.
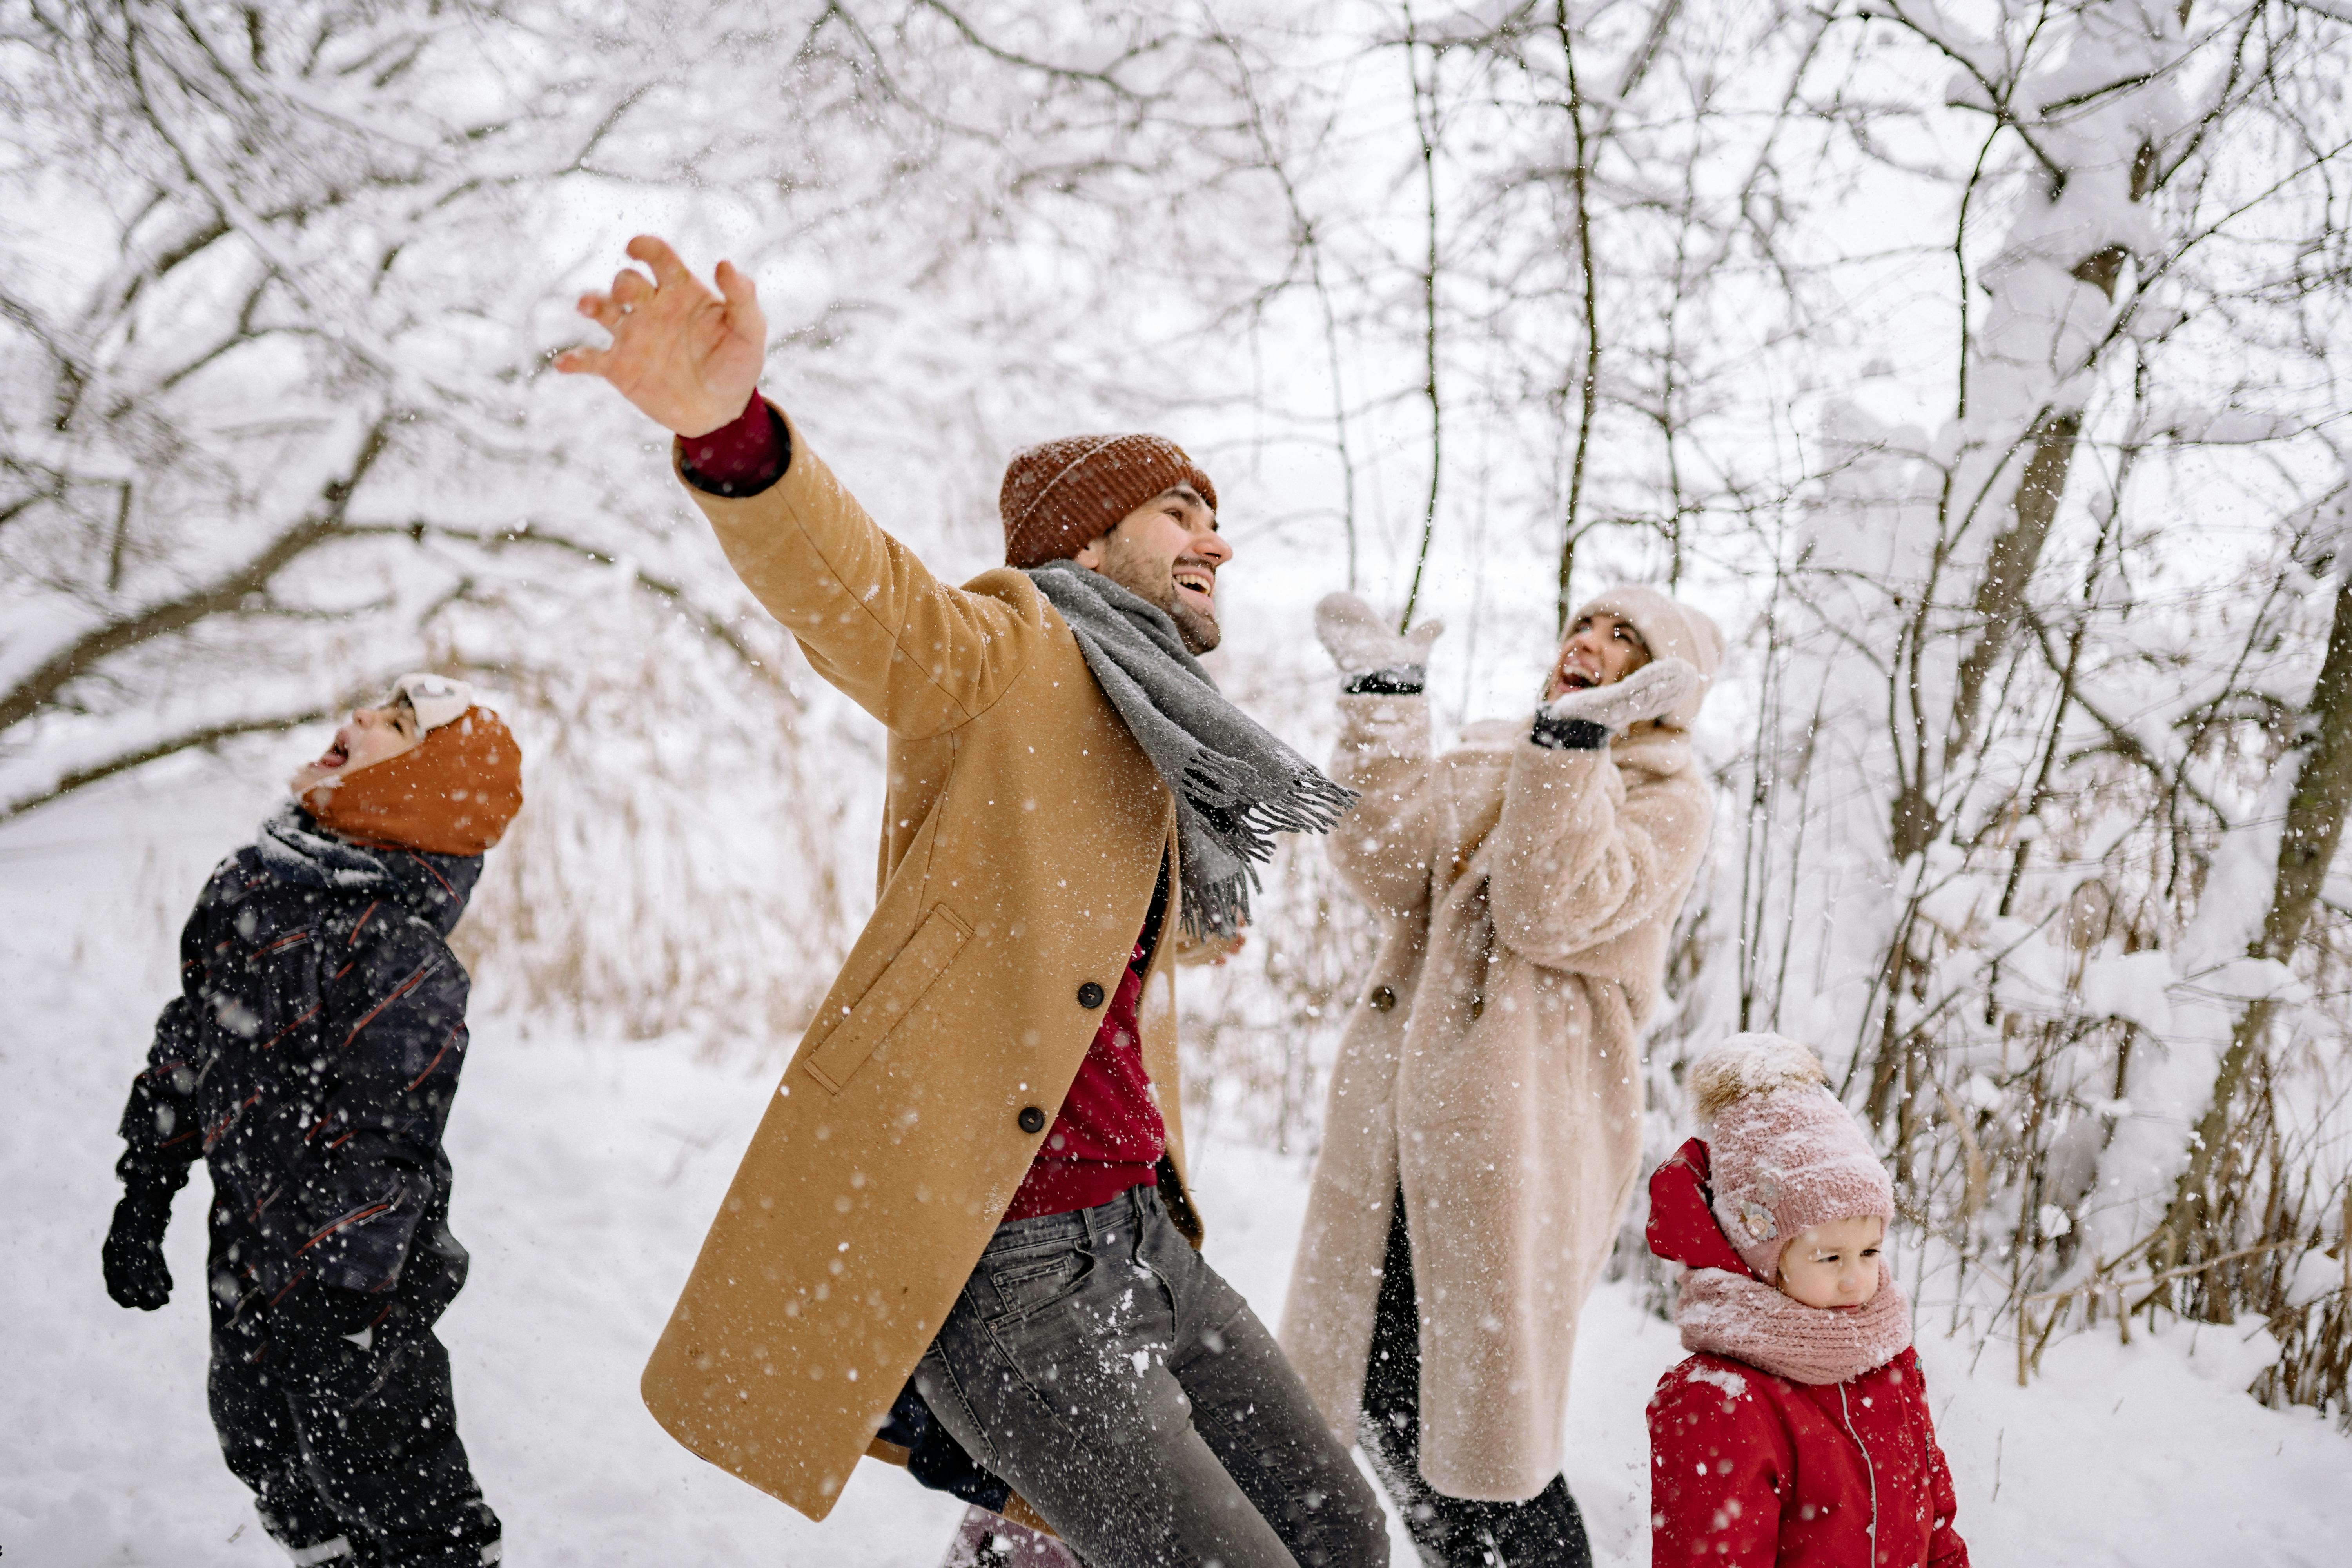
1728	1314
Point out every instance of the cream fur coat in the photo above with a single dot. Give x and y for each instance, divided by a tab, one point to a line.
1491	1066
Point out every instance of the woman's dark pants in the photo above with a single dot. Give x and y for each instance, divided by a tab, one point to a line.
1544	1532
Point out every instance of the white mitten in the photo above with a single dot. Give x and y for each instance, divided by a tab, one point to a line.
1361	643
1657	688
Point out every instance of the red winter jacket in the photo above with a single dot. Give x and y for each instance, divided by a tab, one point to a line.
1750	1471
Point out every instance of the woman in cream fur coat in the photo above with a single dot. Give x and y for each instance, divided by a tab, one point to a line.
1484	1130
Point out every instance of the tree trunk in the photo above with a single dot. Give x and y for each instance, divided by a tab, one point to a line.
1588	385
2314	829
1999	608
1425	124
2000	595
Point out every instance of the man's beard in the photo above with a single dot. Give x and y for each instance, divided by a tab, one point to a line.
1150	581
1201	633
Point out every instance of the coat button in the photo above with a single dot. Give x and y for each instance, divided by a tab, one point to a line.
1382	998
1032	1120
1477	1005
1090	996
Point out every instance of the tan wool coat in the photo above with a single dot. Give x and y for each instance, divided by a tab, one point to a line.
1491	1067
1022	835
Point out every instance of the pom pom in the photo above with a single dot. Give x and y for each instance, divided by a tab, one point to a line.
1752	1064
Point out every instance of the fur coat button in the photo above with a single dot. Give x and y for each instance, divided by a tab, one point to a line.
1090	996
1032	1120
1477	1005
1382	998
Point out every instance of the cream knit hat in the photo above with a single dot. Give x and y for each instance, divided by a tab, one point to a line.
1672	629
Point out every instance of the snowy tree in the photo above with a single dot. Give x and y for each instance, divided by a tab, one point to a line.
1977	363
2080	701
276	424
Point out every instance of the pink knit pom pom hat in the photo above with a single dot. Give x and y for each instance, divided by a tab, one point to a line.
1783	1153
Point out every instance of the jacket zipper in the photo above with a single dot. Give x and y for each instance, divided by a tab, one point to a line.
1845	1414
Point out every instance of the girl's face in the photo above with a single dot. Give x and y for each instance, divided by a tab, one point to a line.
1835	1264
1600	650
370	735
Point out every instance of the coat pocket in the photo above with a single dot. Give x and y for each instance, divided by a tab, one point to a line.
890	998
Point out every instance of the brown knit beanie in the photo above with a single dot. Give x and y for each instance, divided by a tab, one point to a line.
452	793
1060	496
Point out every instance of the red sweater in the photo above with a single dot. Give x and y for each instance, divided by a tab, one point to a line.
1108	1135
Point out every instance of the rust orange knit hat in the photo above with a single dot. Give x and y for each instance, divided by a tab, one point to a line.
1060	496
452	793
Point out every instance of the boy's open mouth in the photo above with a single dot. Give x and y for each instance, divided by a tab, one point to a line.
336	754
1574	679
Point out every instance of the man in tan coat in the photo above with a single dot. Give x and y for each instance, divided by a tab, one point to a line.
1485	1124
963	1225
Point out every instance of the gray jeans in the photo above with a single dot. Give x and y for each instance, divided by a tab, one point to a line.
1100	1366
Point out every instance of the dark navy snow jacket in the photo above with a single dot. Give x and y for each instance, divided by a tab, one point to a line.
312	1052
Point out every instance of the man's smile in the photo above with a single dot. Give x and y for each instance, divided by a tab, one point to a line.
1200	580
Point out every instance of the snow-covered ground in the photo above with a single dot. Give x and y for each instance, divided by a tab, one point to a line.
585	1172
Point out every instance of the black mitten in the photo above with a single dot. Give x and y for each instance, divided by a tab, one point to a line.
133	1254
934	1457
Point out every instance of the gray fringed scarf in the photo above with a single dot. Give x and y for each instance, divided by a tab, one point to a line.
1236	785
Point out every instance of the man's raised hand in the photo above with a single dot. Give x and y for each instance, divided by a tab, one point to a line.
688	358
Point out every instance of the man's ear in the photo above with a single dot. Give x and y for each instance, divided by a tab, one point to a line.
1090	555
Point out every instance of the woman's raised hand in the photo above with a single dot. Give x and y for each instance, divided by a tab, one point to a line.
686	357
1656	689
1360	641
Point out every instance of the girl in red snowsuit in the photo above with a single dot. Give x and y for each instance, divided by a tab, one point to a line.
1798	1435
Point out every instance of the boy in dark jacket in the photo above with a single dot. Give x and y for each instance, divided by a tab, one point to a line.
310	1060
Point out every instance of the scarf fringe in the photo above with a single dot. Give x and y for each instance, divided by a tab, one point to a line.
1217	909
1305	803
1236	785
